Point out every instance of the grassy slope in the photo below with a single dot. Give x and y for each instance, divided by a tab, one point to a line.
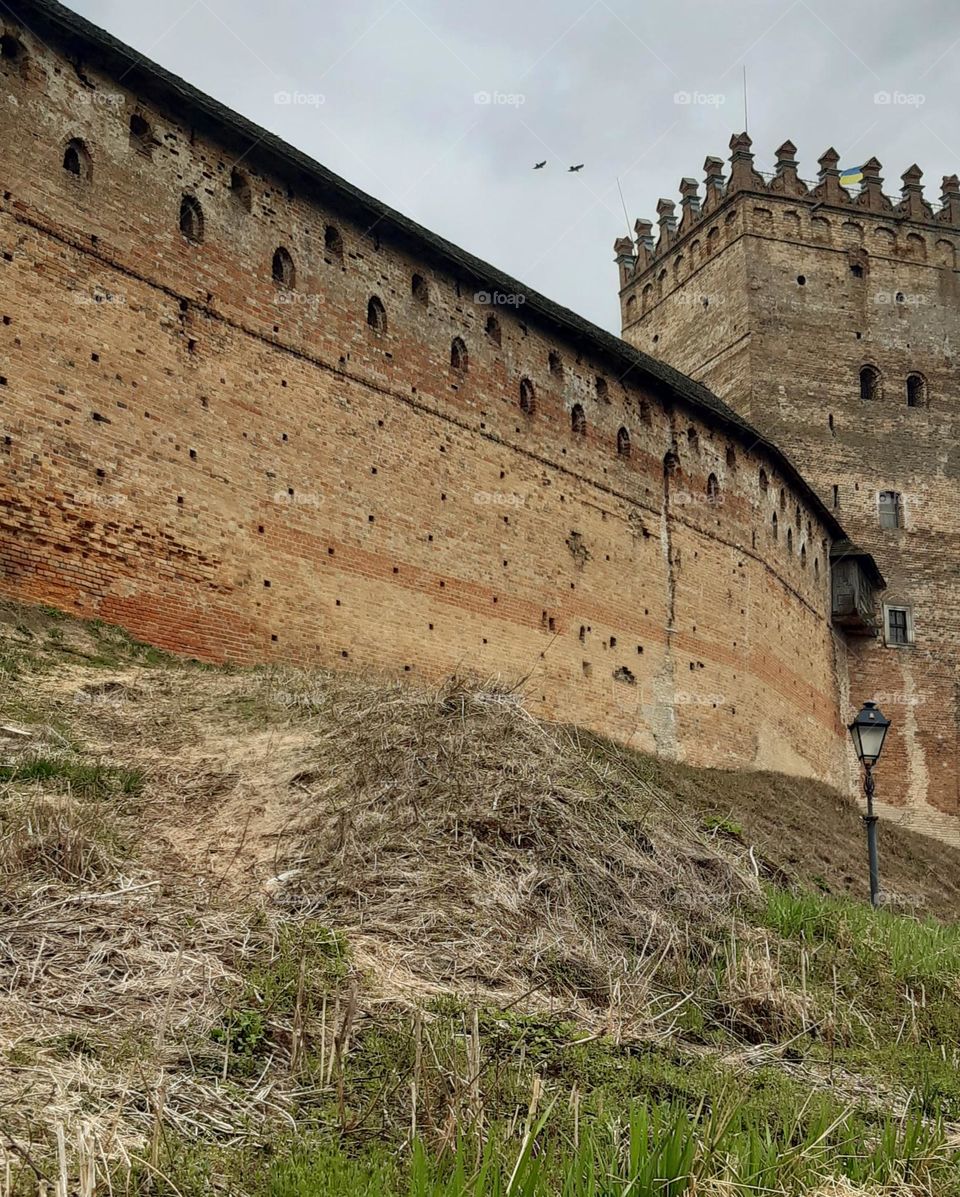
264	930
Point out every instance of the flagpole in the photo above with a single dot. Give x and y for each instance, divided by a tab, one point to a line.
625	215
746	123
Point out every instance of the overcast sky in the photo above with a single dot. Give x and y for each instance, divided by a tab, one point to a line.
441	107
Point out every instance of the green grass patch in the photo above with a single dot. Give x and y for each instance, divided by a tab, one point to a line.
718	825
893	982
642	1149
80	778
288	977
117	646
914	950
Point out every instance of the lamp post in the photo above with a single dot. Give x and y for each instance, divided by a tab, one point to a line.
868	731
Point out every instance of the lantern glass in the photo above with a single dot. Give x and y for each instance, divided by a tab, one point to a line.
869	730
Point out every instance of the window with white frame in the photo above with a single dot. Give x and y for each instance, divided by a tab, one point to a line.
897	625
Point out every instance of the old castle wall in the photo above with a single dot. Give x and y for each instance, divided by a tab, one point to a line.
807	288
248	471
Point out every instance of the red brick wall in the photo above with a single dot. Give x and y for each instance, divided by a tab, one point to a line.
794	323
240	473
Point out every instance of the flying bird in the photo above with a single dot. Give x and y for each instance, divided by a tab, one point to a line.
575	168
540	165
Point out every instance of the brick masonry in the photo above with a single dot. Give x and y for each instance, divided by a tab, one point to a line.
366	463
776	293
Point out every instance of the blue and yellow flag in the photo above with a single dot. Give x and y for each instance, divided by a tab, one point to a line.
852	175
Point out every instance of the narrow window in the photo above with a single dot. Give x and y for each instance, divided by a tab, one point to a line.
284	274
458	355
555	363
332	242
731	458
764	483
623	443
141	135
836	497
713	489
803	556
528	402
76	159
578	420
890	509
603	391
693	438
869	382
492	329
376	315
898	625
419	289
191	219
773	526
916	390
789	540
783	499
240	189
645	415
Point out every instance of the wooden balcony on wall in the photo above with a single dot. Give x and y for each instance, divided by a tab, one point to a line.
856	585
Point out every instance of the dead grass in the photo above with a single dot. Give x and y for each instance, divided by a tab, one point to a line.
760	1006
100	975
492	854
52	838
805	833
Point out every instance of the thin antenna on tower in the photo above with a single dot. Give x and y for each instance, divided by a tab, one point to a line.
625	216
746	123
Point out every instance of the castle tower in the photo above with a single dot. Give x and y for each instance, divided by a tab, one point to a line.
829	316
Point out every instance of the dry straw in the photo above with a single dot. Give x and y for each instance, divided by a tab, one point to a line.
464	843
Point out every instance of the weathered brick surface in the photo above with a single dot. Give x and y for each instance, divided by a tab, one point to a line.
802	290
249	473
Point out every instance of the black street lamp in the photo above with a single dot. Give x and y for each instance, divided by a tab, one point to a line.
869	730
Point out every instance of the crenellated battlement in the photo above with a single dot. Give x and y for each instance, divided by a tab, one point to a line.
635	256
